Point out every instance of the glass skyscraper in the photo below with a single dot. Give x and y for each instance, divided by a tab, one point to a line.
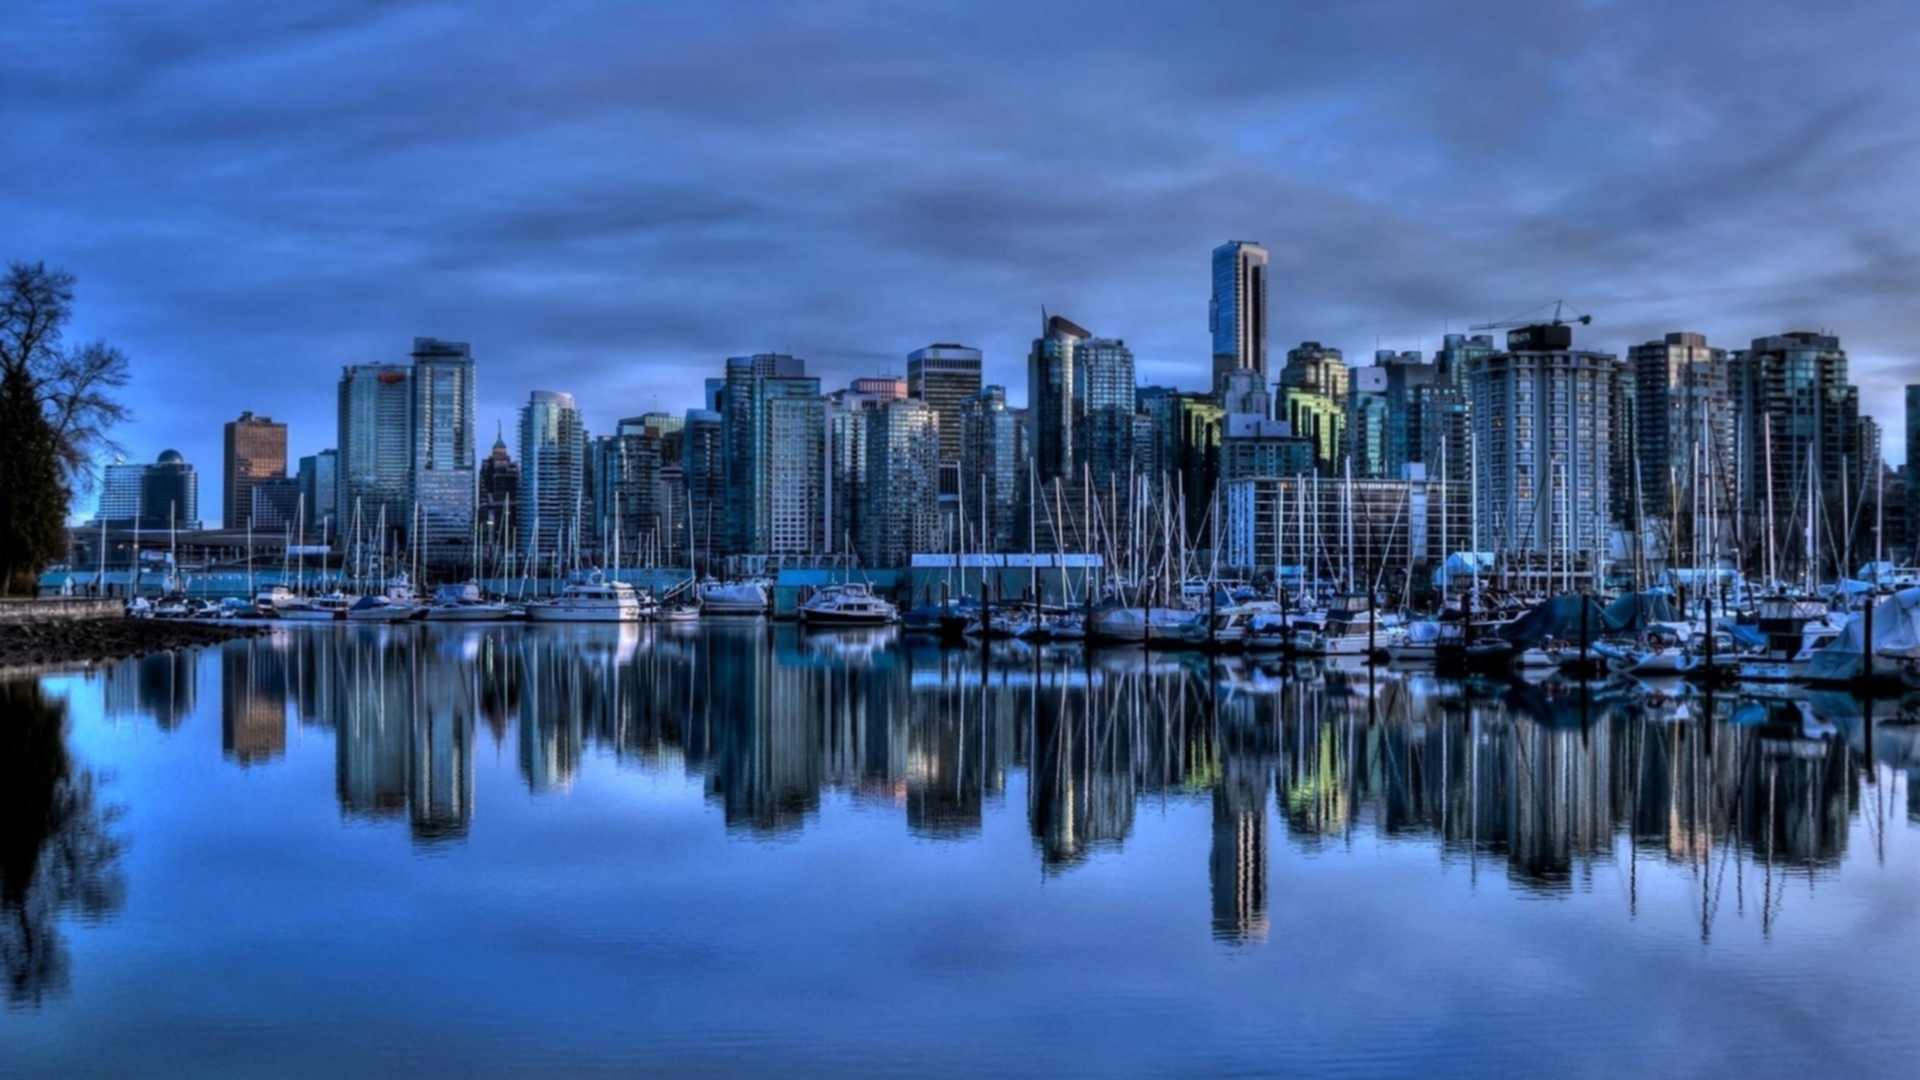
442	467
1051	398
775	428
900	512
992	462
549	515
376	415
1237	316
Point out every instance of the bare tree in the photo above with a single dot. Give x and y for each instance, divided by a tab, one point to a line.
76	387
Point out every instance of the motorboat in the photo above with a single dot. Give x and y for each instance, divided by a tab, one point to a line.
1346	632
677	613
326	607
379	609
1148	625
847	605
734	598
594	600
464	603
269	601
1423	642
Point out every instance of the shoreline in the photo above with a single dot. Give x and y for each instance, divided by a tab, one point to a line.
38	647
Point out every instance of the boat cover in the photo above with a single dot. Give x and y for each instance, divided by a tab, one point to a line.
1896	634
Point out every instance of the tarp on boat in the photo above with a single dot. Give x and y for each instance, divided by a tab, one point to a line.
1562	618
1635	611
1463	564
1896	635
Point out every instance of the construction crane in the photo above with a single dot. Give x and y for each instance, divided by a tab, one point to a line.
1531	332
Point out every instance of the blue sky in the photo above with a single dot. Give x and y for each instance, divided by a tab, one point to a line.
609	199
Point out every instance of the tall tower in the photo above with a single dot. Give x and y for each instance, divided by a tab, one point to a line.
991	462
775	427
1793	397
441	481
375	480
900	514
1238	315
1312	396
550	512
1051	395
256	450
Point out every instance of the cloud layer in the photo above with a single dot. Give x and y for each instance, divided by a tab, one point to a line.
611	198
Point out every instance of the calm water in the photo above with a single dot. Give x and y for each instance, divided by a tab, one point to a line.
727	850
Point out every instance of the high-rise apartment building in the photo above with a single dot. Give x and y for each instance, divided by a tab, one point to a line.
1237	316
992	464
1684	432
900	515
775	424
1103	406
1543	431
1367	421
256	449
550	514
1312	399
376	416
633	515
848	413
441	470
703	465
943	376
319	493
1051	398
1253	446
1243	392
1798	442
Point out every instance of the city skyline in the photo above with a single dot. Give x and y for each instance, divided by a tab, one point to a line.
1702	201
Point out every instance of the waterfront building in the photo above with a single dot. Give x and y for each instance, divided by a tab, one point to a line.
944	376
319	492
1316	528
900	506
1796	410
704	471
1051	398
1312	399
632	520
441	477
775	429
993	463
1683	427
376	414
276	504
170	494
1237	315
1543	430
121	485
549	511
256	450
1252	446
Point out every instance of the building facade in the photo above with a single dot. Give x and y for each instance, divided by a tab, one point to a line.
1799	444
122	494
900	512
1237	315
1051	398
170	494
993	465
441	480
319	493
1312	399
1328	533
376	416
256	450
1683	436
550	513
704	471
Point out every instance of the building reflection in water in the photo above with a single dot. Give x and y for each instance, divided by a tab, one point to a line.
1544	784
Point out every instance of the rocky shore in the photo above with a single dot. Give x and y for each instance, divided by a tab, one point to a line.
37	644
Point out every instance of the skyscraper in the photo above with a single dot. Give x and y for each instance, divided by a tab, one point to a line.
1051	397
704	470
1543	429
376	414
848	413
256	449
775	428
1797	411
499	487
1237	317
170	494
1312	398
1683	425
549	514
1103	383
319	492
900	515
441	473
628	512
121	494
943	376
992	461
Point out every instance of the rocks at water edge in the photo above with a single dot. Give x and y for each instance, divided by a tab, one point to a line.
33	644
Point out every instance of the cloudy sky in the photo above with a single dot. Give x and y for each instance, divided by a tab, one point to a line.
610	198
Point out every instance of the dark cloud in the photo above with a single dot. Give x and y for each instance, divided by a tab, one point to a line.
610	198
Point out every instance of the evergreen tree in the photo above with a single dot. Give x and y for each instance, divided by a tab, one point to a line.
33	500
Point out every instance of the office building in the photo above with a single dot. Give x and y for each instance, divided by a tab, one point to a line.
943	376
1543	432
1799	435
1243	392
1309	530
1051	398
499	486
1237	316
848	413
993	463
1684	433
1368	417
900	511
633	515
1103	400
775	426
441	475
376	416
550	512
276	505
1312	399
319	493
170	494
121	486
704	471
1252	445
256	450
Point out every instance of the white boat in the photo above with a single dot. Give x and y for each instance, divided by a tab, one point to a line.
324	608
463	603
1422	642
734	598
678	613
847	605
379	609
1159	625
269	601
593	600
1347	632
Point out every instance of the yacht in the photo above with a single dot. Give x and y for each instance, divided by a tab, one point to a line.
592	600
463	603
1347	632
735	598
379	609
324	608
847	605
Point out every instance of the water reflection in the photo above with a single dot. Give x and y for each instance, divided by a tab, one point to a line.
59	856
1545	784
